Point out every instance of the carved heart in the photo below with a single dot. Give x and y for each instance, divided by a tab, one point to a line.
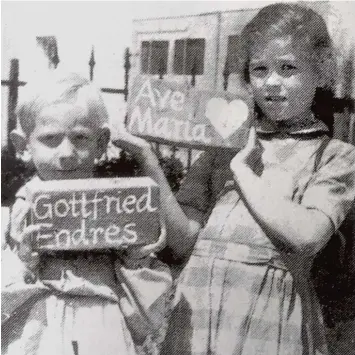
226	118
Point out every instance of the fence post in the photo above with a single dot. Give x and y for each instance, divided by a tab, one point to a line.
92	63
12	101
226	76
127	67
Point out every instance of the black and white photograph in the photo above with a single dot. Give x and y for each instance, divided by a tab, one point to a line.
178	177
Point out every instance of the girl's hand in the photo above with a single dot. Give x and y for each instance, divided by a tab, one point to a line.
146	250
249	156
132	144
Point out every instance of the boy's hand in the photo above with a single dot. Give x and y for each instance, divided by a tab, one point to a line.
23	235
249	156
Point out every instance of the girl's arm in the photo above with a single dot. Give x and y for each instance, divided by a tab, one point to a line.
181	231
294	226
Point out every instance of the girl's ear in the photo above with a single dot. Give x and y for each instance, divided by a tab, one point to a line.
102	141
19	140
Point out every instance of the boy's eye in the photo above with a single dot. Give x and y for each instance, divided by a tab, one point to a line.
51	140
81	138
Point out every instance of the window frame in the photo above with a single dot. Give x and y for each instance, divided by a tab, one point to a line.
147	66
184	67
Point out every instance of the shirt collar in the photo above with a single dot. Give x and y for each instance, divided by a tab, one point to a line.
299	127
21	193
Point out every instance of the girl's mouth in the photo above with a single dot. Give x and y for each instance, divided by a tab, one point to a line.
275	98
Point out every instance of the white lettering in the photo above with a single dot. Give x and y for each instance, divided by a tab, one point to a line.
144	124
177	101
95	232
147	199
112	231
66	208
199	134
146	91
162	99
78	236
129	201
161	127
64	233
109	201
84	202
48	213
74	202
131	236
95	201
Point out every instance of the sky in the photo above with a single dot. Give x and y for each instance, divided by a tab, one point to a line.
79	25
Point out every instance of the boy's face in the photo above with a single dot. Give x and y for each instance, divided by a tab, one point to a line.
64	143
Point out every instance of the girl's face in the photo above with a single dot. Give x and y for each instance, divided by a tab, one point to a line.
283	79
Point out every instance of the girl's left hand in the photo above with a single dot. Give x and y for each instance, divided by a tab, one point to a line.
249	156
146	250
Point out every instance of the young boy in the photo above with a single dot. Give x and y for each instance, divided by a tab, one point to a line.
82	302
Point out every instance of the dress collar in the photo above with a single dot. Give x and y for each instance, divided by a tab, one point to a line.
312	125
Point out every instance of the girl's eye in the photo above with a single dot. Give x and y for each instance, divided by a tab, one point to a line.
260	70
288	69
81	137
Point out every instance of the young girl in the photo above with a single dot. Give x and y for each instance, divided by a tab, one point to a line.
254	220
82	302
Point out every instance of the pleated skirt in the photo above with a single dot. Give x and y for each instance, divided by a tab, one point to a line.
229	307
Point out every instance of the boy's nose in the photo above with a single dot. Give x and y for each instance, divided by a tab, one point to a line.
66	153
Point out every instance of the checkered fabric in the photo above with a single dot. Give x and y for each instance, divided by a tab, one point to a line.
238	295
240	300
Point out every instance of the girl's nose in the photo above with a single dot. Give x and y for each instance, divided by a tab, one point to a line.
273	79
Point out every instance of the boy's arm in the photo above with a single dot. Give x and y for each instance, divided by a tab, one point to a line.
19	261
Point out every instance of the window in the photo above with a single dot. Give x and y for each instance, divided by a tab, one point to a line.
187	53
154	57
233	54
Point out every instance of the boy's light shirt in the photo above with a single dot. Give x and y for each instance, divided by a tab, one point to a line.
15	292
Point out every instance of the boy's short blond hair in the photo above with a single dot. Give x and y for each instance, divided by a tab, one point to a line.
59	87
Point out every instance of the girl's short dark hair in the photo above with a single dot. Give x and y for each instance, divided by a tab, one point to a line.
305	25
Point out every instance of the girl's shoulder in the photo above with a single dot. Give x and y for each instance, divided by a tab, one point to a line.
339	151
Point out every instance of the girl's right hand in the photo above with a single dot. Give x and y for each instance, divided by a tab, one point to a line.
138	147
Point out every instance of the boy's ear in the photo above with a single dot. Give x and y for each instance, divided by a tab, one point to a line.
103	139
19	140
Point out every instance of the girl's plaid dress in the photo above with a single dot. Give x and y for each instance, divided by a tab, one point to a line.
239	293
